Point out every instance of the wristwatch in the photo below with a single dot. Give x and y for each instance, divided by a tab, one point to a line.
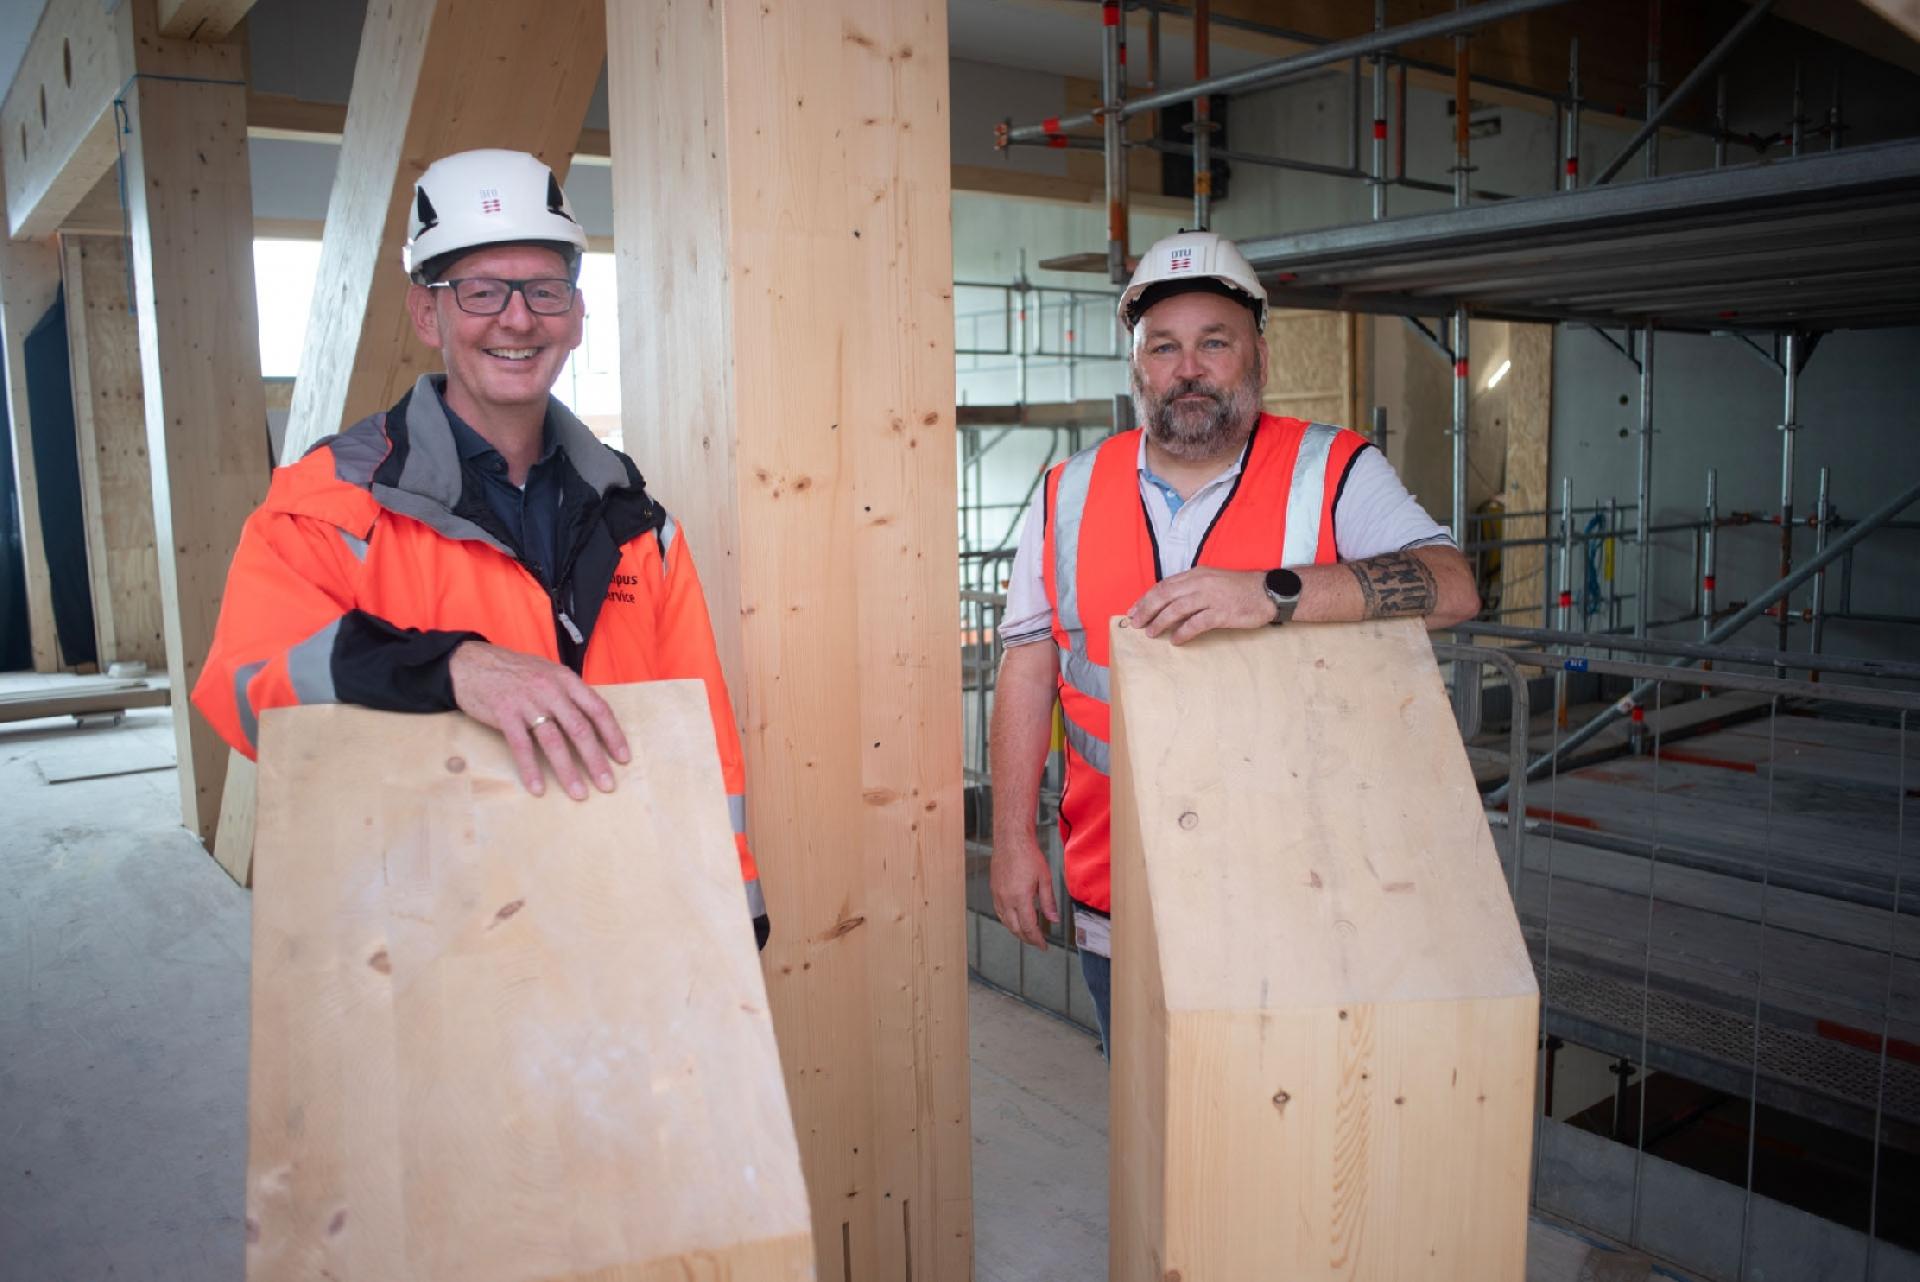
1283	589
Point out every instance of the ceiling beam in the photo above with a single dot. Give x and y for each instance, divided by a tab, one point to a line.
208	21
56	124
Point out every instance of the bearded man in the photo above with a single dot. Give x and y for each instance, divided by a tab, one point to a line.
1211	515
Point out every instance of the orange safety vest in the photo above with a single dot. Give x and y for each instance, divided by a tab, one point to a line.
367	521
1099	558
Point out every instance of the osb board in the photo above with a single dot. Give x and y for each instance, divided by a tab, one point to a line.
1323	1002
503	1037
1313	368
1528	488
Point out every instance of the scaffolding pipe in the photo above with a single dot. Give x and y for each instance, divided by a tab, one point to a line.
1719	121
1251	158
1789	426
1571	179
1643	489
1113	96
1734	622
1795	129
1462	116
1833	115
1821	513
1460	425
1707	553
1887	669
1656	115
1202	121
1653	102
1353	117
1399	121
1613	566
1335	52
1566	593
1379	117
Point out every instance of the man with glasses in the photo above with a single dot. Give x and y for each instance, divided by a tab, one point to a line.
475	546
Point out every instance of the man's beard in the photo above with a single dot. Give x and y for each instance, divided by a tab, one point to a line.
1197	430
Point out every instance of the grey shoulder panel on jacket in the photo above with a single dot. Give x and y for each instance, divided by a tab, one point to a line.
359	450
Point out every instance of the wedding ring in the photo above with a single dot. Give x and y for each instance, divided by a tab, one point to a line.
538	721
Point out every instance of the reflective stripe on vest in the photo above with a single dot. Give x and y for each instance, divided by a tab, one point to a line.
1306	500
1079	670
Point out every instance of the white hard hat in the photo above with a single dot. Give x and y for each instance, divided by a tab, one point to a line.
1193	256
487	197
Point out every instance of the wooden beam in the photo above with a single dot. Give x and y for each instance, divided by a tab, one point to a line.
416	98
56	124
209	21
190	209
116	479
1325	1016
496	1035
81	698
782	214
29	281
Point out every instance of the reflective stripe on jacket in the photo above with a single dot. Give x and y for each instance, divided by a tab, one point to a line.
371	559
1099	558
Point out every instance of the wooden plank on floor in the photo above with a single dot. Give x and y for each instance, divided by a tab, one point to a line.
1323	1003
799	403
502	1037
64	701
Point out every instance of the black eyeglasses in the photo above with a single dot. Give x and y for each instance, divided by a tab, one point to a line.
489	295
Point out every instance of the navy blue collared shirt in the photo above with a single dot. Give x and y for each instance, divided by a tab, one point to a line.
529	515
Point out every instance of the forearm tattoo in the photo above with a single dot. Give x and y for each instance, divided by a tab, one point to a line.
1394	586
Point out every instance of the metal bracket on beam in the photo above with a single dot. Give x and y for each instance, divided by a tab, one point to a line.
1625	351
1772	359
1433	340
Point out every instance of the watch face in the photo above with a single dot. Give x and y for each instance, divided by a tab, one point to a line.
1283	584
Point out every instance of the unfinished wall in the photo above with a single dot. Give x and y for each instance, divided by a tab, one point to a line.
1716	404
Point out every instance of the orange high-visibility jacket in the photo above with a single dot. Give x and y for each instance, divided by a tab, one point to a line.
368	564
1100	557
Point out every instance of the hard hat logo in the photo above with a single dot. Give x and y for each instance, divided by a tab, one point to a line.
474	199
1188	261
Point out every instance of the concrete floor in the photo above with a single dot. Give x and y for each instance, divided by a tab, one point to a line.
123	1052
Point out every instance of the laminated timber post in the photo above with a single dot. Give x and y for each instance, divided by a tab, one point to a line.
1324	1013
110	427
784	247
29	281
190	219
433	77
